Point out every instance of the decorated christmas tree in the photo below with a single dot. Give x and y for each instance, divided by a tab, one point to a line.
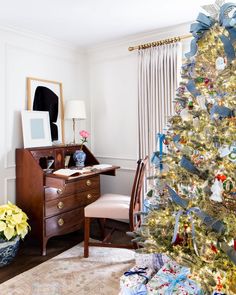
192	198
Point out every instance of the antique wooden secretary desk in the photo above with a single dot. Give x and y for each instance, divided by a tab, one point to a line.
54	204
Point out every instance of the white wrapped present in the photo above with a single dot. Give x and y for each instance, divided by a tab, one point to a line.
134	281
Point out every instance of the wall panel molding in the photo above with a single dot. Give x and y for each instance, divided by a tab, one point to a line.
126	164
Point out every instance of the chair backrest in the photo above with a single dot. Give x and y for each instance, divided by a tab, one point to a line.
136	194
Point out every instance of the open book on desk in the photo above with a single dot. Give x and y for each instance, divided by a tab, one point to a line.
73	172
101	167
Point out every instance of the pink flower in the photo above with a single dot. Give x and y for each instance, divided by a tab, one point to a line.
84	134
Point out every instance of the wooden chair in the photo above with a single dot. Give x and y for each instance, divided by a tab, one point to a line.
115	206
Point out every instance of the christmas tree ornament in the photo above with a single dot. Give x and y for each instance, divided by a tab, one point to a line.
190	105
224	151
217	189
232	153
220	63
228	185
186	115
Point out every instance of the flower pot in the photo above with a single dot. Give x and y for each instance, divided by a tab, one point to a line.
8	250
79	158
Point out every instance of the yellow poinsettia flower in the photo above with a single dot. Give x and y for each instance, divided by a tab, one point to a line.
22	229
9	232
2	225
17	218
2	212
13	222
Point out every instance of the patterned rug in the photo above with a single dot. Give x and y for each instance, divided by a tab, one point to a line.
71	274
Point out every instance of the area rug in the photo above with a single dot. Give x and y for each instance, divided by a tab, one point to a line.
71	274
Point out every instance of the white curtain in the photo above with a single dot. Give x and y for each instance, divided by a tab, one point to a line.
159	73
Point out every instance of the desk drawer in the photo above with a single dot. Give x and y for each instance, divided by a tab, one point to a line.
80	199
71	188
65	222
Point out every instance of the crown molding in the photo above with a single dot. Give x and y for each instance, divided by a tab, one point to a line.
43	38
144	37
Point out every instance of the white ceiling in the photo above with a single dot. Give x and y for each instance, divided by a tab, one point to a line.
89	22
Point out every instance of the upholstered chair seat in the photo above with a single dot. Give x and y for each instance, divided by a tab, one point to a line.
111	206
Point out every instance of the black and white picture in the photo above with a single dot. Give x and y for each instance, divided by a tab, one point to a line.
45	95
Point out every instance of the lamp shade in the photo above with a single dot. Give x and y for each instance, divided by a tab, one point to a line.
75	109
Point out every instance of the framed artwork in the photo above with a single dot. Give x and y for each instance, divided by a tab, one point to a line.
46	95
36	129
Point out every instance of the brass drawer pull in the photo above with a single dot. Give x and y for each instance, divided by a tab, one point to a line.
60	205
88	182
60	222
89	196
60	191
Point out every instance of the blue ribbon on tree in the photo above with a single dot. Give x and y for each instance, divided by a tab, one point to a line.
177	217
157	156
222	111
229	24
188	165
176	198
191	86
212	223
197	30
229	251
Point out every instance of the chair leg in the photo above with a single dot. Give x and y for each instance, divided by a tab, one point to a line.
86	236
101	222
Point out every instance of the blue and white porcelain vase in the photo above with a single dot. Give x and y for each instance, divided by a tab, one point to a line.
79	158
8	250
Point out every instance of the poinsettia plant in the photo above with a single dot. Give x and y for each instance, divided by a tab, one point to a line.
13	222
84	136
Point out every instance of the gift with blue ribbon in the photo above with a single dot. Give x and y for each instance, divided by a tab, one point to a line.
173	279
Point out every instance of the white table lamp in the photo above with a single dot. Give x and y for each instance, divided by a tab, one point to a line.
75	109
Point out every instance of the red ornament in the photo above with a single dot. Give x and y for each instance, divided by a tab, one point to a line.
221	177
165	141
178	240
206	81
235	244
213	248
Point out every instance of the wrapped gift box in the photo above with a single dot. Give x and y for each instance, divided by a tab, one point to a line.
172	279
134	280
154	261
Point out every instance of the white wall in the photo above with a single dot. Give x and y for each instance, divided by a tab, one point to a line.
24	56
113	92
107	81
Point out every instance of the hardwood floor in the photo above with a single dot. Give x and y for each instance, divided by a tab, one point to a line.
29	253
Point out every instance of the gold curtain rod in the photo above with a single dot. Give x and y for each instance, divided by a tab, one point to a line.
160	42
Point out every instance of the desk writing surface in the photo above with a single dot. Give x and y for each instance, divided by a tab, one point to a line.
107	171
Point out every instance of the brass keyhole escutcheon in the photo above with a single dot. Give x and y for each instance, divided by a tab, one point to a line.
59	191
60	205
60	222
89	196
88	182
